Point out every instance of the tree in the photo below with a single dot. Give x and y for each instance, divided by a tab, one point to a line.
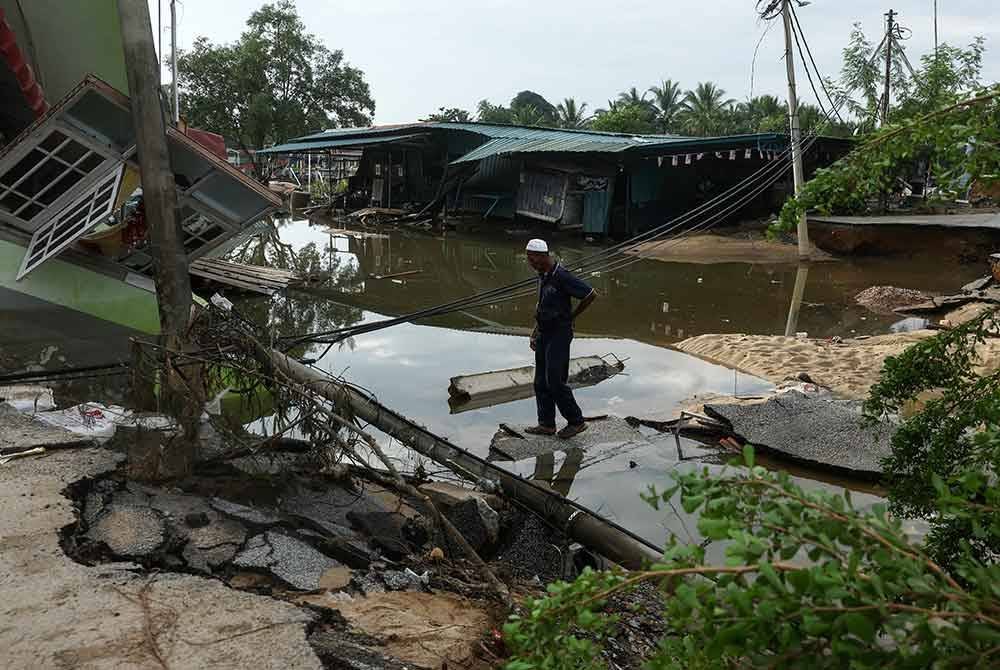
762	114
808	581
487	112
571	115
543	108
452	114
706	109
948	73
277	81
632	98
862	78
625	118
527	115
959	141
667	100
951	448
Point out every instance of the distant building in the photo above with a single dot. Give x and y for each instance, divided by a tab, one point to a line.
603	183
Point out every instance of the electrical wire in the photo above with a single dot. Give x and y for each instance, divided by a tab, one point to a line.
797	31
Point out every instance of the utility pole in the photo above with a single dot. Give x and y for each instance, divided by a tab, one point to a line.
889	39
173	284
173	61
794	129
935	30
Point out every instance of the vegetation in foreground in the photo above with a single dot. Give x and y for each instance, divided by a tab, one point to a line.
808	578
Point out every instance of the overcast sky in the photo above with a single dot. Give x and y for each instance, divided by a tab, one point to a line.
418	56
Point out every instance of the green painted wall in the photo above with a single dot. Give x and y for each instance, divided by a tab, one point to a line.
80	289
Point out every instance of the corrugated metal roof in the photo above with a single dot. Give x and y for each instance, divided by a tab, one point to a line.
505	140
299	147
488	130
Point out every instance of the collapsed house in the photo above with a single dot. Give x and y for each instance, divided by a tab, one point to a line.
72	225
607	184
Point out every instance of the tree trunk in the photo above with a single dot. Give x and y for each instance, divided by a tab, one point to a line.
173	283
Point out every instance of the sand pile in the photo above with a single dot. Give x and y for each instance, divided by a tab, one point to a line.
848	367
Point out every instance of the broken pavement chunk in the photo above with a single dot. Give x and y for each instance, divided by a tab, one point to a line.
242	512
287	558
819	430
129	530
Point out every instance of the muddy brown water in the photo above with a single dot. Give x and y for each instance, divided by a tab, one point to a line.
642	310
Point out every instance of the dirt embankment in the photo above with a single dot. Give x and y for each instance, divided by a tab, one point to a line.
708	249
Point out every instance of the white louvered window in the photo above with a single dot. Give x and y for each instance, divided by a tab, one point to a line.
51	168
74	221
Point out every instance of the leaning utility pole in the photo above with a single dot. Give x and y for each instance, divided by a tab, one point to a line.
173	61
888	65
794	129
173	284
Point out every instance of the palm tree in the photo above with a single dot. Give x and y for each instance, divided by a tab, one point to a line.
613	106
765	113
571	115
527	115
706	109
632	98
668	101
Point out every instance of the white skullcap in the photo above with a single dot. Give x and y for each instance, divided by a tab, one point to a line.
537	246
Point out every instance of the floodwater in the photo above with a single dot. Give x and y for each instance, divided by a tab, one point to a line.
642	310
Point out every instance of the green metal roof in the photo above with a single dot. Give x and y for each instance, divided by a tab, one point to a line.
341	143
505	140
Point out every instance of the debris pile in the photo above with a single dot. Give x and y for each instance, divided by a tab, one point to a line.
391	589
888	299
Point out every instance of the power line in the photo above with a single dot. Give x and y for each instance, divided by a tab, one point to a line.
798	33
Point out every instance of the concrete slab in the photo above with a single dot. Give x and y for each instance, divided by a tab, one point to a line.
22	431
821	431
612	432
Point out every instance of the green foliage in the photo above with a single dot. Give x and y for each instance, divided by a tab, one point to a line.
571	115
706	110
451	114
667	102
543	109
959	142
625	118
949	451
808	581
487	112
277	81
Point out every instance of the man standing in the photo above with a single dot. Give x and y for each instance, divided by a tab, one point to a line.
551	339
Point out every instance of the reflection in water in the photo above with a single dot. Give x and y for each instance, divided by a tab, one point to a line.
798	291
650	301
562	481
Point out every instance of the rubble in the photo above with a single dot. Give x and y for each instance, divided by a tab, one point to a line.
288	559
888	299
816	429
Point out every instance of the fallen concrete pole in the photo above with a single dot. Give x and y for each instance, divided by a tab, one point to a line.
581	524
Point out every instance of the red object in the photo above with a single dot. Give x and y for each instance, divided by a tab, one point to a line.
11	54
211	141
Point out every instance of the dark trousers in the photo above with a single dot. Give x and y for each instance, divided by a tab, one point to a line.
551	374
